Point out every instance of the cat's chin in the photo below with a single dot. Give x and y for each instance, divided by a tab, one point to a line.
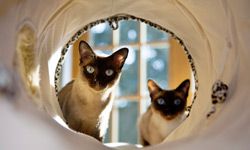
99	89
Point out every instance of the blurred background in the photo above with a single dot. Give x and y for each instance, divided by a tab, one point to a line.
152	54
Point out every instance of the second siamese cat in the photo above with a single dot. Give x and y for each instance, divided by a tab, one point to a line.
166	112
86	102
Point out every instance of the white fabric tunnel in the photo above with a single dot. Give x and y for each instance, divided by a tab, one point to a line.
215	33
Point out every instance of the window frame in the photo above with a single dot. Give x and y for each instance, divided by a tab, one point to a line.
142	41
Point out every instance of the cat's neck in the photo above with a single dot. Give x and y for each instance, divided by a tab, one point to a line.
164	126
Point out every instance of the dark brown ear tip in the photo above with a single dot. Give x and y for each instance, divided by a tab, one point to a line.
83	42
184	85
187	81
125	51
150	80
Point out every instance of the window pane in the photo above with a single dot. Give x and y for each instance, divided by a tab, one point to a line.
128	111
104	53
154	34
129	32
101	35
128	84
157	63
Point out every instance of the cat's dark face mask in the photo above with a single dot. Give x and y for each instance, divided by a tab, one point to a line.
101	72
169	103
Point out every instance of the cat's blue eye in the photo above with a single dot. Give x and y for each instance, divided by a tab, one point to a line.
109	72
160	101
177	102
90	69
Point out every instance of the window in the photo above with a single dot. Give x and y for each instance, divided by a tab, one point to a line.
148	58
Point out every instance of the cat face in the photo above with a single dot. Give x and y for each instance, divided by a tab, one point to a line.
169	103
100	72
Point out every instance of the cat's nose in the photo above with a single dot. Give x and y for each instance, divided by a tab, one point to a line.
95	82
167	109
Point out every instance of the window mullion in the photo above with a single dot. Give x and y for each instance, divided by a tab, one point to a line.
142	66
115	112
116	37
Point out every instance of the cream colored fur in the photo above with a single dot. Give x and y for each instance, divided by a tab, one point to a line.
154	128
85	109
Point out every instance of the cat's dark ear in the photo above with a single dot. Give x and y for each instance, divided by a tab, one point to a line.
184	87
153	88
119	57
85	51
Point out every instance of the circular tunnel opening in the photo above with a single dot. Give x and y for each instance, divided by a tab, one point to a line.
154	53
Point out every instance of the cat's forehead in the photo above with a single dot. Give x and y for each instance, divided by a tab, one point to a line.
100	62
104	62
170	94
104	59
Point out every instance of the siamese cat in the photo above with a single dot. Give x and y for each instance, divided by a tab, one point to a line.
165	113
86	102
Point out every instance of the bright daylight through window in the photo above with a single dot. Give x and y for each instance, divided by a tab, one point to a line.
148	59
